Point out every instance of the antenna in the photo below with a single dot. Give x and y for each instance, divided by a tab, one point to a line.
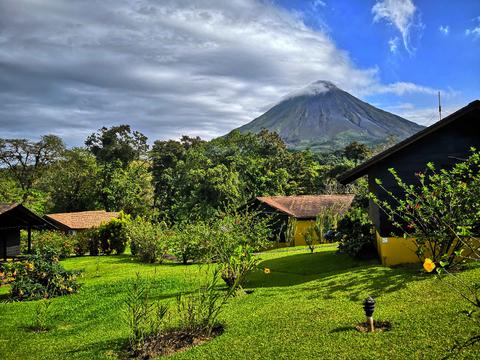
439	106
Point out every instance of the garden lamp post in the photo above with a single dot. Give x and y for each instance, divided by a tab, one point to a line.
369	307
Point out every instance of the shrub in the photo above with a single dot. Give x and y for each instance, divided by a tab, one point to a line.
239	265
41	276
232	241
148	242
84	241
199	311
41	315
63	244
354	233
112	236
142	317
232	231
188	241
309	236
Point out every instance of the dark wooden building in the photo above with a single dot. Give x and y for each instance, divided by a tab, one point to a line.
13	218
444	143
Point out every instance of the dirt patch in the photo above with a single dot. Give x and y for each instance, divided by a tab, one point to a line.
379	326
172	342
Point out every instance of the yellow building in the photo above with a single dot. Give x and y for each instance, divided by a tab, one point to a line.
301	210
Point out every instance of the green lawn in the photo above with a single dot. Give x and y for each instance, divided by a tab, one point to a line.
305	308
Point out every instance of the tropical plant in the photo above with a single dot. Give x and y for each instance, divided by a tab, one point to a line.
240	263
143	317
148	241
113	236
41	315
354	234
41	276
188	241
441	212
327	220
62	243
291	230
199	311
309	236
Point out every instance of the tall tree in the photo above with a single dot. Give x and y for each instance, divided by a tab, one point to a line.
117	143
26	160
71	182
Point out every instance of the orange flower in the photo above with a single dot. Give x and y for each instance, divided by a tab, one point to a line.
428	265
266	271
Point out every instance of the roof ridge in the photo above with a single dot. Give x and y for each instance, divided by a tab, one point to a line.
356	172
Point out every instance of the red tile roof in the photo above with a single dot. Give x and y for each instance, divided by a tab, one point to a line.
306	206
83	219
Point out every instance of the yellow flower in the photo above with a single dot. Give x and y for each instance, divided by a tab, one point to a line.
428	265
29	266
70	290
266	271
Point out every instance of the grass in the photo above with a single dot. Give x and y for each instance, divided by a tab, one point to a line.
305	308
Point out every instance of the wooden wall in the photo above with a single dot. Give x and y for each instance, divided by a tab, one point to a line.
9	240
444	148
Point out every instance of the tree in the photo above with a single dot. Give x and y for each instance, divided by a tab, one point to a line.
129	189
71	182
117	143
26	160
357	152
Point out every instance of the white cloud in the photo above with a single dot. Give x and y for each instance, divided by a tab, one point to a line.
475	32
444	29
405	88
393	44
167	67
318	3
422	115
401	14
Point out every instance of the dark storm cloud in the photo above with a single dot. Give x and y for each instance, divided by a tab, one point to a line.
165	67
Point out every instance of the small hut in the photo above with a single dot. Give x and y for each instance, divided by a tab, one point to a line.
13	218
303	208
82	220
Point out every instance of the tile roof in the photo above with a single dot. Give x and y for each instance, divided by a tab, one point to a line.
306	206
6	207
83	219
17	215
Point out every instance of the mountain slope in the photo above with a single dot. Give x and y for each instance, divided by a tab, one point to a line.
323	116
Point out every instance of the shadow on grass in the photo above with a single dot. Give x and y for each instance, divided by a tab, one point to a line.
330	275
113	347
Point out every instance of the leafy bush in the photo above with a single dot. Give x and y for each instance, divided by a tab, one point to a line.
111	236
235	230
63	244
84	241
189	241
148	242
239	265
40	276
40	318
354	233
232	242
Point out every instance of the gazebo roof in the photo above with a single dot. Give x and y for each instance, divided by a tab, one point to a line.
17	215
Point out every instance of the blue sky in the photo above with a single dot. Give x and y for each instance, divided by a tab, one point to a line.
443	48
205	67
